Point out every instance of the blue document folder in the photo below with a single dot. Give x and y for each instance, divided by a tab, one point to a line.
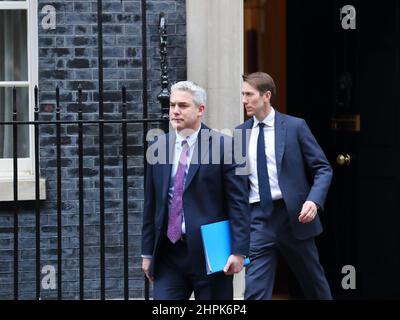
217	245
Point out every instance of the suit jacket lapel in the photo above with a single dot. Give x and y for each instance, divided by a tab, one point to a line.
280	139
170	147
200	152
247	127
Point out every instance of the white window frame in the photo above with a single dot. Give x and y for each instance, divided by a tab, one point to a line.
26	166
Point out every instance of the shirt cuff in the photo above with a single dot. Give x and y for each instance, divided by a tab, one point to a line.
147	256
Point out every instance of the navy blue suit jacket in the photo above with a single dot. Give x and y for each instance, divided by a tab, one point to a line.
212	192
295	150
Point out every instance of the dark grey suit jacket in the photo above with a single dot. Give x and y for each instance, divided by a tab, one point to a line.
212	192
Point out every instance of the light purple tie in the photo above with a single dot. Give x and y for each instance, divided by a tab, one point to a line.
175	209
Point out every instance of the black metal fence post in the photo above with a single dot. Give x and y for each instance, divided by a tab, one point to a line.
16	205
145	110
101	149
59	196
125	194
37	192
164	95
81	195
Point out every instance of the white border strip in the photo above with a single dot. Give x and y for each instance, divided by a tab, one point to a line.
8	84
12	5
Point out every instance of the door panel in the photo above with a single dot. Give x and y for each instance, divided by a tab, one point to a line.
346	84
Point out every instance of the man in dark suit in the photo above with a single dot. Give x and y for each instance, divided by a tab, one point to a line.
191	181
284	206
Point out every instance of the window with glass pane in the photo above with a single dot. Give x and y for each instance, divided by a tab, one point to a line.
13	67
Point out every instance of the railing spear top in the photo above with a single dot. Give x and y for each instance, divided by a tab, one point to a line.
79	98
14	103
36	92
57	99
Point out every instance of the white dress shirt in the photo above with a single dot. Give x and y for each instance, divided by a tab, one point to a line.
269	136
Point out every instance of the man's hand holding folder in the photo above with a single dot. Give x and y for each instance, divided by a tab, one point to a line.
217	249
234	264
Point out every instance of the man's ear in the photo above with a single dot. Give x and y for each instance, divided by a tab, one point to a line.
202	108
267	95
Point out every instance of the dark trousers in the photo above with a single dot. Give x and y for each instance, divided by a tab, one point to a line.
175	279
271	232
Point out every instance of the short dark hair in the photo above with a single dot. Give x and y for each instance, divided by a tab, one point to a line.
261	81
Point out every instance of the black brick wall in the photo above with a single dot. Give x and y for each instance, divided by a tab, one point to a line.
67	58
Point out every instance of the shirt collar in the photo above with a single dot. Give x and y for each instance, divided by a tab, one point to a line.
269	120
190	139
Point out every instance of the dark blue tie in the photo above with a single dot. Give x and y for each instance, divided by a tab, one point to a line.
262	172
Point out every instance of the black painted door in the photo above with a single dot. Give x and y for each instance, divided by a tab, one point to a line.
346	83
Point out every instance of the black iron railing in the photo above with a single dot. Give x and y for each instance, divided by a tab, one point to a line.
123	122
